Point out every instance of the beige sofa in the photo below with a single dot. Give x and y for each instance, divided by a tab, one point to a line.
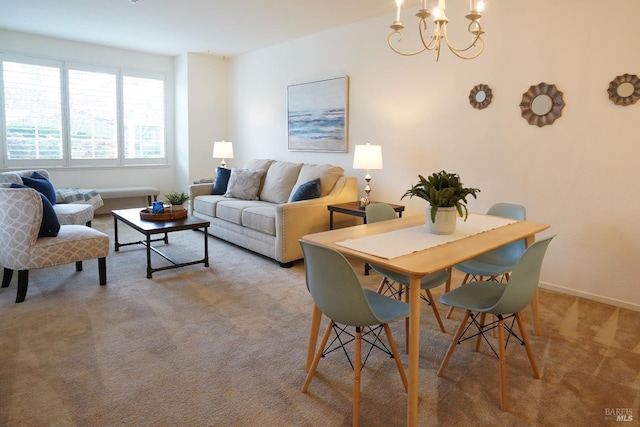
272	224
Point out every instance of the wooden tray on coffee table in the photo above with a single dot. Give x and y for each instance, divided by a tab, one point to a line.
146	214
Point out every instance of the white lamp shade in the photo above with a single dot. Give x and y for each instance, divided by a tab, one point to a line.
367	157
223	150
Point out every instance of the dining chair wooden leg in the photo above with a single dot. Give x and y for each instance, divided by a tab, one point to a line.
316	359
396	356
435	309
527	345
454	343
494	332
381	286
503	365
316	317
464	282
356	378
483	316
447	286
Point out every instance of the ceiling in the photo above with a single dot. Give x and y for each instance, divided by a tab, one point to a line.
173	27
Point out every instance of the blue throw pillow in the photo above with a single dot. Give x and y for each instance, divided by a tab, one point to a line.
41	184
221	182
308	190
50	226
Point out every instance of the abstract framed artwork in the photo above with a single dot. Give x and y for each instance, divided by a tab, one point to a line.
318	115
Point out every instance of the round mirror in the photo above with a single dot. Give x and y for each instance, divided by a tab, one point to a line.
480	96
624	90
542	104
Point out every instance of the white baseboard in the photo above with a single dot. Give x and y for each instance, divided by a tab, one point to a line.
593	297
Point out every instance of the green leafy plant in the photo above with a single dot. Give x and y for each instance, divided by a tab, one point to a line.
443	190
176	198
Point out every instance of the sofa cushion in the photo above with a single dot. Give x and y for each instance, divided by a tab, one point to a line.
328	175
222	181
279	181
49	226
42	185
308	190
231	209
207	204
244	184
260	218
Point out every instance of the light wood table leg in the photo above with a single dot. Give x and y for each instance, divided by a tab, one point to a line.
534	309
313	336
530	240
414	350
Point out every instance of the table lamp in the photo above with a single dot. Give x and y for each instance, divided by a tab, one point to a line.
223	150
367	157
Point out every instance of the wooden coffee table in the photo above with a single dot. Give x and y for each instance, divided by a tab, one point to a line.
131	217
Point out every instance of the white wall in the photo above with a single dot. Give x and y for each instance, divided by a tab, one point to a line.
579	175
201	115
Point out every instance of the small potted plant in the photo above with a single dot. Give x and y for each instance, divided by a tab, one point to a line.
176	200
446	195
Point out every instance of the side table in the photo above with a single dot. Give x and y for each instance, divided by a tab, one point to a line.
352	208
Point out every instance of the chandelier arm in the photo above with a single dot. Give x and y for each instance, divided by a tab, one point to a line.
457	51
399	40
422	29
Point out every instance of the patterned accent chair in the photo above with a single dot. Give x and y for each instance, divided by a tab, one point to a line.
21	249
67	213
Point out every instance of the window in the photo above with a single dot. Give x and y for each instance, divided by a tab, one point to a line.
32	111
144	118
93	115
65	114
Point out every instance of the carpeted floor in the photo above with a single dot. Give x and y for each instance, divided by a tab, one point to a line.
225	346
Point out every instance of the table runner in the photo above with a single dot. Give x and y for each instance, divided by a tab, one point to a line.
397	243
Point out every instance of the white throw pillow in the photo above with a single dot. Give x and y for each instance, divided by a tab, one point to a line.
244	184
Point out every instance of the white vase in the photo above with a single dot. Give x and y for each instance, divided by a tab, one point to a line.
445	221
177	208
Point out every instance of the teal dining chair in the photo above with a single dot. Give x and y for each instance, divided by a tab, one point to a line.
395	283
503	301
497	264
337	292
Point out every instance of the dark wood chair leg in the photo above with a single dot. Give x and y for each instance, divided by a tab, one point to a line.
78	265
6	277
102	270
23	283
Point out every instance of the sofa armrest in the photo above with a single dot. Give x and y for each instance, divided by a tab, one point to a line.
294	220
198	190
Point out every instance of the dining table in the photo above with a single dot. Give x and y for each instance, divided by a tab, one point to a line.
405	245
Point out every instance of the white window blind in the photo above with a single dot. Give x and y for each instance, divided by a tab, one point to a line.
93	115
143	101
33	118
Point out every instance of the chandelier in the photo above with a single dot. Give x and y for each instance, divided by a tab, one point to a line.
440	21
